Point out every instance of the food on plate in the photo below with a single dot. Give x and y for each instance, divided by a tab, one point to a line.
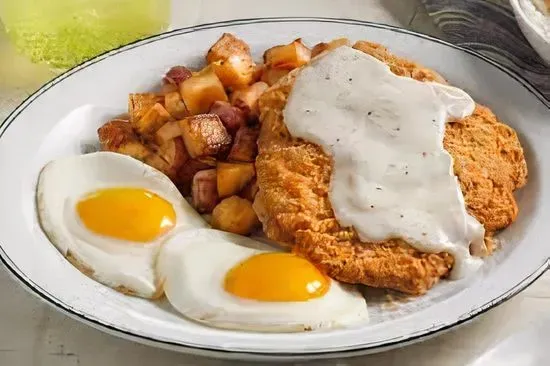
201	90
247	98
294	174
230	281
204	191
233	177
245	147
322	47
174	153
280	60
189	169
232	117
119	136
152	120
271	75
235	215
204	135
170	130
141	103
175	106
249	192
369	168
177	75
288	57
108	214
231	60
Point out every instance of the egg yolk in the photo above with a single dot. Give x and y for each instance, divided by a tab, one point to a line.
133	214
276	277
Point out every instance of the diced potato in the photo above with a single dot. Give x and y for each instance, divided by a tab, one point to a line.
167	132
175	106
201	90
233	177
151	121
186	173
169	88
245	147
235	215
232	117
176	75
258	71
119	136
232	61
174	153
139	104
204	135
159	163
287	57
249	192
247	98
204	192
335	43
271	75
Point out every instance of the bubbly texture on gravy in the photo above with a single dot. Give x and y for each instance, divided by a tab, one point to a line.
392	177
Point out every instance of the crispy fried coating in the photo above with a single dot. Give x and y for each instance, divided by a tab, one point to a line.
293	178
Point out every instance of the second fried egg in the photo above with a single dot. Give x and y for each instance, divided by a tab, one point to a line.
230	281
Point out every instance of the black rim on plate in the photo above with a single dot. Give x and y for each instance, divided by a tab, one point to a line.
355	350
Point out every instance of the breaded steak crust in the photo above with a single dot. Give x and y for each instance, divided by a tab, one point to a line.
294	177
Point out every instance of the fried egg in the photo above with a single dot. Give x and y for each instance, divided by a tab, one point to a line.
230	281
109	215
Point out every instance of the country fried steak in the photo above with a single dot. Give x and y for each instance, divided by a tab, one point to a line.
293	177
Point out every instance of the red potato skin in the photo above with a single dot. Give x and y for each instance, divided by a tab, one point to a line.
245	147
204	192
176	75
232	117
187	172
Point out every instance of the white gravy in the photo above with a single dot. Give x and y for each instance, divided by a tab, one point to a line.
392	177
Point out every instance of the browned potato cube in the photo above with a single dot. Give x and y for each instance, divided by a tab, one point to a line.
335	43
159	163
232	117
249	192
139	104
169	88
235	215
232	62
201	90
175	106
186	173
174	153
119	136
167	132
204	192
151	121
245	147
204	135
233	177
247	99
287	57
271	75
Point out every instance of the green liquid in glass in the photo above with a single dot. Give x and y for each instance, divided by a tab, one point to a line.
64	33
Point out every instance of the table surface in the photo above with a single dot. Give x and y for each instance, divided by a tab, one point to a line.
32	333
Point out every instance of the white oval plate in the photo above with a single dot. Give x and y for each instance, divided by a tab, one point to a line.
39	130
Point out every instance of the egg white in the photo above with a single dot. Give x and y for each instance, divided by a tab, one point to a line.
124	265
193	265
